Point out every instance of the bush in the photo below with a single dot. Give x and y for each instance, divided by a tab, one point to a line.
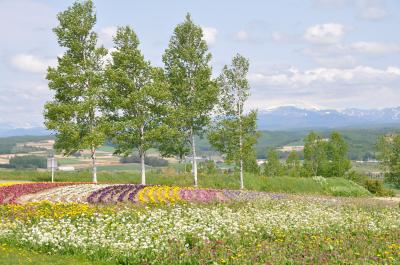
207	167
29	161
356	177
376	187
150	161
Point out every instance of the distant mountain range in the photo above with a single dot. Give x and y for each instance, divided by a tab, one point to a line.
6	131
288	117
285	118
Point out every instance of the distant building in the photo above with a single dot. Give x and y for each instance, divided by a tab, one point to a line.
261	161
66	168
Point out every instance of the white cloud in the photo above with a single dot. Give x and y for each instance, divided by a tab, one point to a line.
361	87
32	64
210	35
328	33
372	9
242	35
316	77
374	47
342	61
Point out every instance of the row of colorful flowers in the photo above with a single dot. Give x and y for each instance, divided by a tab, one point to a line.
114	193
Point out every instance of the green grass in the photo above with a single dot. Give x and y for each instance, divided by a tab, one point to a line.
122	167
332	186
13	256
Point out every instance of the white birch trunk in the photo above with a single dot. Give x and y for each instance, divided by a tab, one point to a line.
94	168
241	162
143	168
194	162
142	156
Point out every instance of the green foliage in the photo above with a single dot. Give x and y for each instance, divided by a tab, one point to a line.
325	157
194	93
357	177
292	165
136	98
149	160
234	134
339	164
207	167
225	134
29	161
315	155
389	155
76	82
376	187
273	167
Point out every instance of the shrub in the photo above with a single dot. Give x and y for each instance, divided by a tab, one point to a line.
29	161
356	177
376	187
343	191
150	161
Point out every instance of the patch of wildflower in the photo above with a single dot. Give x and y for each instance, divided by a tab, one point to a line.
45	209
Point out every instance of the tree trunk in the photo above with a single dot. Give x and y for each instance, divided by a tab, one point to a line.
194	162
143	167
241	162
94	169
240	146
142	156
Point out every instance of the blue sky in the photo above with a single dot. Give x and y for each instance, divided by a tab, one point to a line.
308	53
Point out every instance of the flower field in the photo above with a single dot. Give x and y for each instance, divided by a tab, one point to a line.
22	193
136	224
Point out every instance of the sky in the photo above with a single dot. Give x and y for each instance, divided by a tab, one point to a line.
326	54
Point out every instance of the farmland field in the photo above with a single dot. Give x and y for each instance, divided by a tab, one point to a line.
136	224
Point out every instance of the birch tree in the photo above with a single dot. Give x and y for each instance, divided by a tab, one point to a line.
74	111
234	133
193	92
136	99
315	155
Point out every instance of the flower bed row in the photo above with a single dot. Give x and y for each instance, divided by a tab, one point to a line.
9	194
116	193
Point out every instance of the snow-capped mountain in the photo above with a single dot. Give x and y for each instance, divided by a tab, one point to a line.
289	117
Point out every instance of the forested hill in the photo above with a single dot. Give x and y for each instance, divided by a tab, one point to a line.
361	141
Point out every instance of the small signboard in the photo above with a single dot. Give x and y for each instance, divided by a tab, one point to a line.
51	166
51	163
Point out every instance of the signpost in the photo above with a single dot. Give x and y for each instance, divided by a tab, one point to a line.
51	164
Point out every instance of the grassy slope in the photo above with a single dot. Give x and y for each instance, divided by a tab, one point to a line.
332	186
